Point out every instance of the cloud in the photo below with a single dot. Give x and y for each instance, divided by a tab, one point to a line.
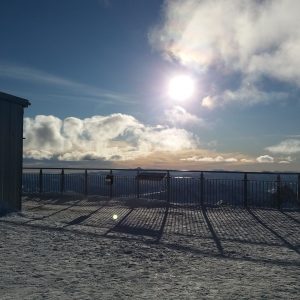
70	86
247	94
209	102
216	159
237	34
179	116
252	39
284	162
265	159
115	137
247	160
289	146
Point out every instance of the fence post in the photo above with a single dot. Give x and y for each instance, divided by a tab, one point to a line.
298	190
85	182
202	189
111	186
138	184
41	181
62	181
245	190
168	187
278	192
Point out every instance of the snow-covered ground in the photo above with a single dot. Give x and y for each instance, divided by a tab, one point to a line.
124	249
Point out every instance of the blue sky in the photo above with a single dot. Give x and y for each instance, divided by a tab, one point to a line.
96	73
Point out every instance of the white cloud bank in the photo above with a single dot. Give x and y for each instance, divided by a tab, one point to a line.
112	137
289	146
250	37
123	140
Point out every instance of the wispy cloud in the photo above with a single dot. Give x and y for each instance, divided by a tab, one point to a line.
177	115
289	146
247	94
69	86
284	162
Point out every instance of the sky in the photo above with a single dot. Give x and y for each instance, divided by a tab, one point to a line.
97	74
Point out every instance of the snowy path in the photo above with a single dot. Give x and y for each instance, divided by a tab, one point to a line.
68	251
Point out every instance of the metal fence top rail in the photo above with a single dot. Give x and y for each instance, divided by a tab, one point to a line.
162	170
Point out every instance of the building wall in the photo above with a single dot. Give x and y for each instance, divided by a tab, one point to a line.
11	148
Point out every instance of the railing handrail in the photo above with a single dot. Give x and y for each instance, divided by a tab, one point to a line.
164	170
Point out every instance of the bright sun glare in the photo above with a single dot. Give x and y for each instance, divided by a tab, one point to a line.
181	87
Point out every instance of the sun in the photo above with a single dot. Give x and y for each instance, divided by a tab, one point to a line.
181	87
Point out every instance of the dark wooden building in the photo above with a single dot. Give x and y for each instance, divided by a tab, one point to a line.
11	151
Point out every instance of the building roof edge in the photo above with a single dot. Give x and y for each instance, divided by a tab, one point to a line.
14	99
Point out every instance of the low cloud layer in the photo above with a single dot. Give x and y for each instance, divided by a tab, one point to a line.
251	38
217	159
115	137
222	159
124	141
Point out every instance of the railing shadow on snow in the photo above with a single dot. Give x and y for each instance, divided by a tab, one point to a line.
257	235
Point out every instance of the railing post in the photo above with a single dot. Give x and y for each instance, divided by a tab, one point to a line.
168	187
85	182
62	181
298	197
245	190
278	191
111	186
202	189
41	181
138	184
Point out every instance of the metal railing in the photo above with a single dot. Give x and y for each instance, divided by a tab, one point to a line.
175	187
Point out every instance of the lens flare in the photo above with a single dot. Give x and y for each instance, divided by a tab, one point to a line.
181	87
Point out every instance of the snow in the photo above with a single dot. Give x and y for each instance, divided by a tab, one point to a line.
75	249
